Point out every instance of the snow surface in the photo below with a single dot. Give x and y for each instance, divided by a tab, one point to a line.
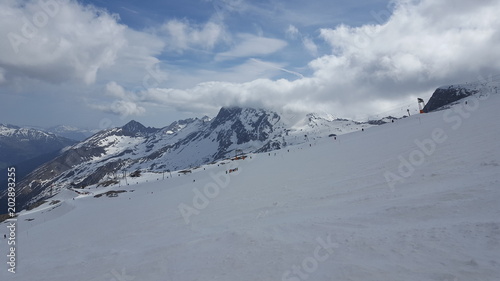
26	133
321	210
193	142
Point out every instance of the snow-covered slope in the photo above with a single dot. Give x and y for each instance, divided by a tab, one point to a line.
320	125
183	144
412	200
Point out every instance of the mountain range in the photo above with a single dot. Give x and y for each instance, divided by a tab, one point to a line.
184	144
187	144
28	147
70	132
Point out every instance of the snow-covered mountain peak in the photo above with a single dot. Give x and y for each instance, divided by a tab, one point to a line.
479	85
249	118
6	129
62	128
25	133
178	125
181	145
136	128
325	116
28	146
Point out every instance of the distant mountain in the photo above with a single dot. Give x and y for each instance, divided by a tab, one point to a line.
70	132
26	149
183	144
21	144
318	124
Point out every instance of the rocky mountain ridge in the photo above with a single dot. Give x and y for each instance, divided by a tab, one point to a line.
184	144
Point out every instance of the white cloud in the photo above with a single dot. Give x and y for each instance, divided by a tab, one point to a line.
182	35
210	96
292	32
136	65
115	90
248	70
251	45
277	67
57	41
310	46
125	103
372	68
122	108
413	49
76	44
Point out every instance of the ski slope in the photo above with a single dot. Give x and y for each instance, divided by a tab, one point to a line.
370	205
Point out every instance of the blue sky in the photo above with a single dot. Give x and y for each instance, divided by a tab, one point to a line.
97	64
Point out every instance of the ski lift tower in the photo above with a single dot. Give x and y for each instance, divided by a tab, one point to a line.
421	105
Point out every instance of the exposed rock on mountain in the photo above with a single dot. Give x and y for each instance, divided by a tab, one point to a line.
447	95
184	144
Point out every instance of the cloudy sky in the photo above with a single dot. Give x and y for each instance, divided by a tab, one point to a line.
97	63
